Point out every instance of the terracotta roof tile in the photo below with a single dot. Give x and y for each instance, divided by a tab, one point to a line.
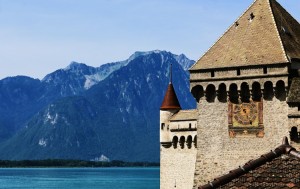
170	100
183	115
276	169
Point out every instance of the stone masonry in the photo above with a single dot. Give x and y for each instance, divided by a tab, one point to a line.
247	88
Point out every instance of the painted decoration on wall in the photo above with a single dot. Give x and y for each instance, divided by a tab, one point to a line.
245	118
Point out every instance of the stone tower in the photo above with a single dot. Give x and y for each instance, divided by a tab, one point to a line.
178	130
247	88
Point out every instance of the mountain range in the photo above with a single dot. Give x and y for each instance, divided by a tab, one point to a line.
83	112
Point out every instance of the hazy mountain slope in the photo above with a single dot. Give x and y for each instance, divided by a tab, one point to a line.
19	97
118	117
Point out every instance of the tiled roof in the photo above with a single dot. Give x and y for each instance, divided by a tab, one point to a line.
289	30
265	34
276	169
183	115
170	100
294	92
282	172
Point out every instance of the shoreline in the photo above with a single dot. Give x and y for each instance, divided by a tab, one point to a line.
62	163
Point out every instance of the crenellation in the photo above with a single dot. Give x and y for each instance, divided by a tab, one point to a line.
294	111
278	70
225	73
252	71
240	73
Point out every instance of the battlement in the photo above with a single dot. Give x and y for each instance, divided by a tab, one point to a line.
238	73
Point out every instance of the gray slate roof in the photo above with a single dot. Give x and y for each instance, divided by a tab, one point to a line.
294	93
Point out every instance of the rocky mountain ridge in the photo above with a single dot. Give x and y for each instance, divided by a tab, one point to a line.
116	116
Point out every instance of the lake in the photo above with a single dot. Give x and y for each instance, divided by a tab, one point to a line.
79	178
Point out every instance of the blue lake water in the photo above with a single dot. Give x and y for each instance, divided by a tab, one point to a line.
79	178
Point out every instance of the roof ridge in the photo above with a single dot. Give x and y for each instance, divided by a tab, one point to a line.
254	39
288	29
223	34
278	34
284	148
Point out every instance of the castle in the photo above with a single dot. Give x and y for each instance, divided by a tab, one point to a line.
247	88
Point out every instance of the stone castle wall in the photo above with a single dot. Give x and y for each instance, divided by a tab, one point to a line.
177	167
217	152
177	156
294	121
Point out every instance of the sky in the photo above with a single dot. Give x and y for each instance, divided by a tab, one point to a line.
38	37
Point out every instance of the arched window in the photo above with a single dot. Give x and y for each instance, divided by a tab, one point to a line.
256	91
233	93
195	141
198	92
189	141
268	90
280	91
210	93
162	126
182	141
222	93
245	92
175	141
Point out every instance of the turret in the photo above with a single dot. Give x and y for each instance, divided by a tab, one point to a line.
169	107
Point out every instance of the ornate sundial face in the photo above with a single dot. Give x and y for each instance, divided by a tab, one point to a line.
245	119
245	114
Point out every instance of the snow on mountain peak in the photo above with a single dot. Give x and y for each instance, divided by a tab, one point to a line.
143	53
83	77
74	65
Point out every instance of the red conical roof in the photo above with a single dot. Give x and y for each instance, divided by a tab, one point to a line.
170	101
